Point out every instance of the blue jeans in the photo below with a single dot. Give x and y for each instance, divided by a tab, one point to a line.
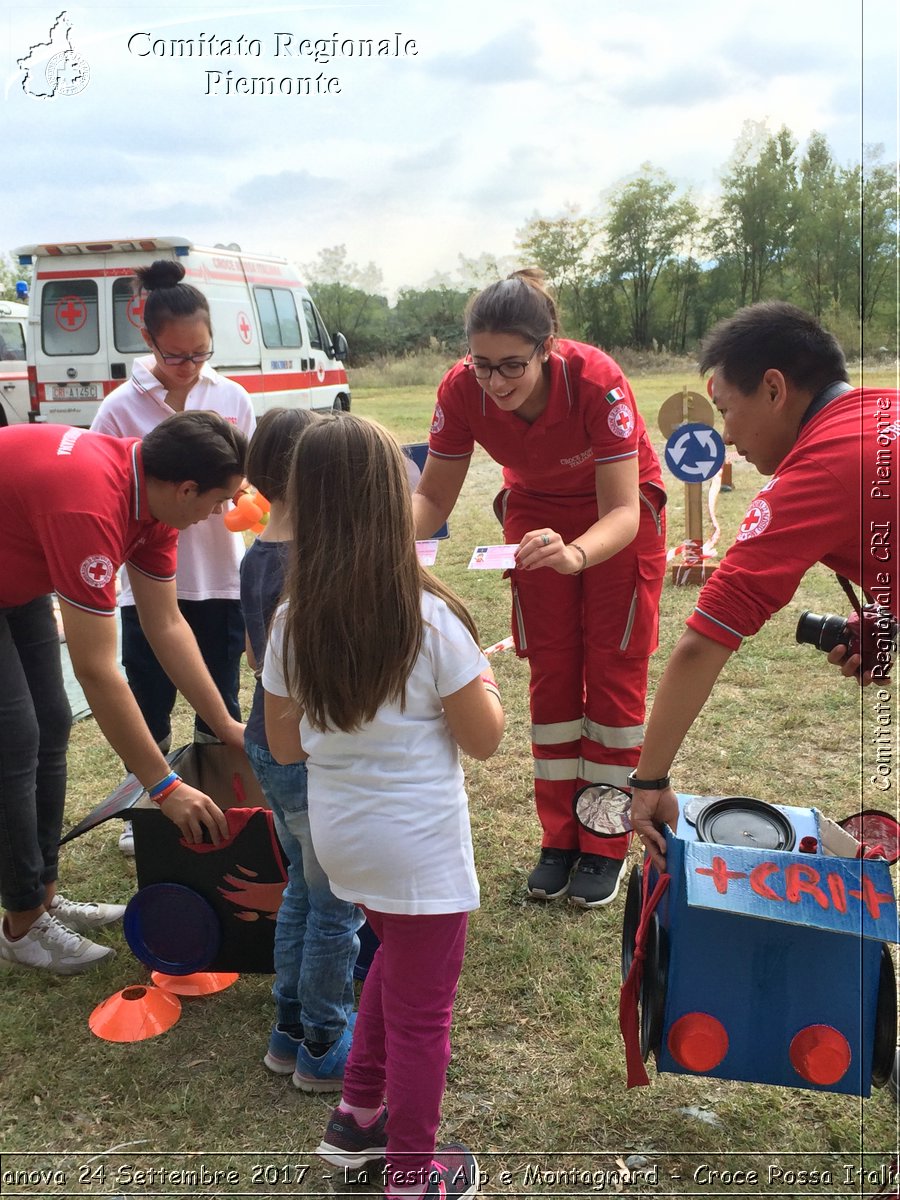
35	719
315	933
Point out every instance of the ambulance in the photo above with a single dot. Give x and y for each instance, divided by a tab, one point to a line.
85	324
14	401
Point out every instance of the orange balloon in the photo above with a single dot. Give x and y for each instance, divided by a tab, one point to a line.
234	520
251	510
261	502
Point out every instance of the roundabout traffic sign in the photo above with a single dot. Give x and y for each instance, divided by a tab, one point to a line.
695	453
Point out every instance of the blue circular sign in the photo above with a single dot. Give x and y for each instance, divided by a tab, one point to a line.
695	452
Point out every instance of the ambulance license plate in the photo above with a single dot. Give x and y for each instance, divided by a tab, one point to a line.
74	391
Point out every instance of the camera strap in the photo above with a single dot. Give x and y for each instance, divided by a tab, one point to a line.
854	599
828	393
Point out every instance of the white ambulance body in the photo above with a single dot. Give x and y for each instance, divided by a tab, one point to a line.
85	324
14	401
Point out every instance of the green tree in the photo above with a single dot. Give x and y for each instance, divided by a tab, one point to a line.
752	232
348	297
563	248
10	274
647	228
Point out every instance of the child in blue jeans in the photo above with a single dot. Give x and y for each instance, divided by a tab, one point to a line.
315	932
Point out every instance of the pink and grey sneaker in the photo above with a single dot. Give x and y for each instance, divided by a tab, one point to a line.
349	1144
454	1174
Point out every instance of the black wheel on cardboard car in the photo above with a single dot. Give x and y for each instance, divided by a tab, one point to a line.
171	928
884	1048
653	987
631	917
341	403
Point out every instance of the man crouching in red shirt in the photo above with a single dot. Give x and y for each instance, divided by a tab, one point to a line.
76	506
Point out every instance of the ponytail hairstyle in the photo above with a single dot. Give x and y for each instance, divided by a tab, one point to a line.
353	628
168	298
519	304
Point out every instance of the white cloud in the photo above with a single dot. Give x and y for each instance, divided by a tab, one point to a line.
505	110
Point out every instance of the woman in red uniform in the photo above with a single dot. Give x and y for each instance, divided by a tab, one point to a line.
583	501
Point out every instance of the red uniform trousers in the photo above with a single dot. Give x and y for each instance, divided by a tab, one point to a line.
588	639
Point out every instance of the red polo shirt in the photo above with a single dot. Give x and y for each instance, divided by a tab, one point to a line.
74	509
834	500
591	418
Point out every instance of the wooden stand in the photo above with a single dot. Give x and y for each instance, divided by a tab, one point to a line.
692	568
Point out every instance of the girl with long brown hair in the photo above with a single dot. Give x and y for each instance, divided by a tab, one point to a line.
374	672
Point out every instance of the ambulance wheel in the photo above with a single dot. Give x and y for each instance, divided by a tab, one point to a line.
653	987
631	918
884	1048
341	403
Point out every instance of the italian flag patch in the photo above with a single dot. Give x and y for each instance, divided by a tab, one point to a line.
615	396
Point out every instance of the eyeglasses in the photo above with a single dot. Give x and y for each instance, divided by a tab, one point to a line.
178	360
509	368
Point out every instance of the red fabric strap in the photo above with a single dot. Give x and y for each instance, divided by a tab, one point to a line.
631	988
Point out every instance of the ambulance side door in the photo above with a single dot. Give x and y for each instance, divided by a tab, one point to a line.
286	363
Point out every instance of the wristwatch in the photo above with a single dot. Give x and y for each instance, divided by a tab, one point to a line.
647	785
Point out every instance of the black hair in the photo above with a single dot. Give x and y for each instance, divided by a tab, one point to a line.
519	304
198	446
773	335
168	298
272	448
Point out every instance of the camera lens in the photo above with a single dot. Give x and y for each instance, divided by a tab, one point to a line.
823	632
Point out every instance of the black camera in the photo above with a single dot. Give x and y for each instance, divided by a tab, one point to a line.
871	633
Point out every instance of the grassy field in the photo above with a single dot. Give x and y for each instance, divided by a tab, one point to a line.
537	1080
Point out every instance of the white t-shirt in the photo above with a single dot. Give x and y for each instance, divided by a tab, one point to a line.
388	810
209	556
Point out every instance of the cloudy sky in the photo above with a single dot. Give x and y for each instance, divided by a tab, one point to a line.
492	112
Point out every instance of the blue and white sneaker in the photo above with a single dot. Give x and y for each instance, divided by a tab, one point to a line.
325	1074
281	1055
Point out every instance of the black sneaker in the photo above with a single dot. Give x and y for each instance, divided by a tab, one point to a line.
347	1144
454	1173
596	880
550	878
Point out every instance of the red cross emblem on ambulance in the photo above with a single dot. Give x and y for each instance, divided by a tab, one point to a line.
70	313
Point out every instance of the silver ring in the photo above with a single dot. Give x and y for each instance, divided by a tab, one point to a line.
545	539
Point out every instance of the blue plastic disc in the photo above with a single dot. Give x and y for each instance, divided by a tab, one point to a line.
171	928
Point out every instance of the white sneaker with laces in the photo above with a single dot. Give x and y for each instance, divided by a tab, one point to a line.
50	946
126	839
82	918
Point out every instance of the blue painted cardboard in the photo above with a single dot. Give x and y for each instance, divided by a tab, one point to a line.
768	968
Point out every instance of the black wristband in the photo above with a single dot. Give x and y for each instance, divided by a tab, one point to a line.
647	785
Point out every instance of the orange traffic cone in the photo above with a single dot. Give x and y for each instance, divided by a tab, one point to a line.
134	1014
201	983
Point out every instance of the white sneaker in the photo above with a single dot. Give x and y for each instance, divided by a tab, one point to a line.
126	839
82	918
50	946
